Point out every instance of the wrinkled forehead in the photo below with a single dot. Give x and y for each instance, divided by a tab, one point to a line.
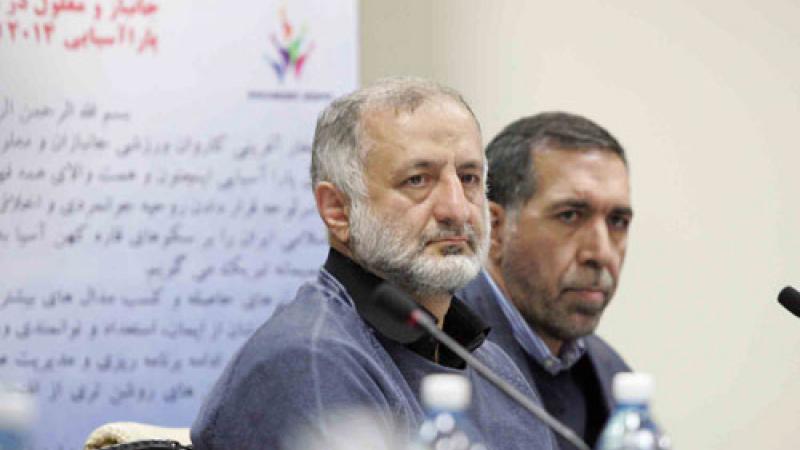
441	131
591	174
439	118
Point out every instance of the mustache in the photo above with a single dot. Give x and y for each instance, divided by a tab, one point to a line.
600	279
448	231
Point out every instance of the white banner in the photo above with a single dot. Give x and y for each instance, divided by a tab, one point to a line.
154	193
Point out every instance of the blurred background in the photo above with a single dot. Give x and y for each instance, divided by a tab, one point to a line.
705	97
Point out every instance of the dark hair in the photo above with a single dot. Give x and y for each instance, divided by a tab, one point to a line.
512	177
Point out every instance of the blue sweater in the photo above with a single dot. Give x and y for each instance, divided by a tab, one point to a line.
317	355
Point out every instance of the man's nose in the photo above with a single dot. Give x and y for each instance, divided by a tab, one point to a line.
597	248
451	205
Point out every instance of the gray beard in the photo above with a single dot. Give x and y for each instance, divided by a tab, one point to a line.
383	248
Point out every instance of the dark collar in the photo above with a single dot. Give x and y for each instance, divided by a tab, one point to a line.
460	322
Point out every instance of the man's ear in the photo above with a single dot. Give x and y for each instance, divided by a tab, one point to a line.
498	217
334	210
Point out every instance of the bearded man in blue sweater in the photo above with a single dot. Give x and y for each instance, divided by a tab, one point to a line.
398	176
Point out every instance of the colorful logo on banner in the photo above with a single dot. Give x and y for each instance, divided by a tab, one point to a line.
292	50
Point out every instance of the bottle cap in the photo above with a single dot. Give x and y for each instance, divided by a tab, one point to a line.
633	387
446	391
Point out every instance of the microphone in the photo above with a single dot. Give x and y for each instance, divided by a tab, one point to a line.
790	299
405	310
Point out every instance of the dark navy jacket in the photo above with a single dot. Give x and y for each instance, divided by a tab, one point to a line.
481	298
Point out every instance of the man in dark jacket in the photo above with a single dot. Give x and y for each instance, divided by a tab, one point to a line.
560	210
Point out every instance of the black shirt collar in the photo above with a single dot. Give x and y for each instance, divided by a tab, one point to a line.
460	322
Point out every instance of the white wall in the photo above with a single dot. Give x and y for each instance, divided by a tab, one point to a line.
705	95
396	38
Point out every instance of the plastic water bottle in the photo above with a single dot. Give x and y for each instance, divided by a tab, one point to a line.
446	397
631	426
17	413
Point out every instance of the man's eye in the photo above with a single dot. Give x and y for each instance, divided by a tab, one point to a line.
619	222
416	180
569	216
470	178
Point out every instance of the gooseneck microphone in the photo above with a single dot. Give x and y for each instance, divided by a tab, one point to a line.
405	310
790	299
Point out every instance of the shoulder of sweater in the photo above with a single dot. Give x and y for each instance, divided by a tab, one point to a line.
499	361
311	328
602	351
